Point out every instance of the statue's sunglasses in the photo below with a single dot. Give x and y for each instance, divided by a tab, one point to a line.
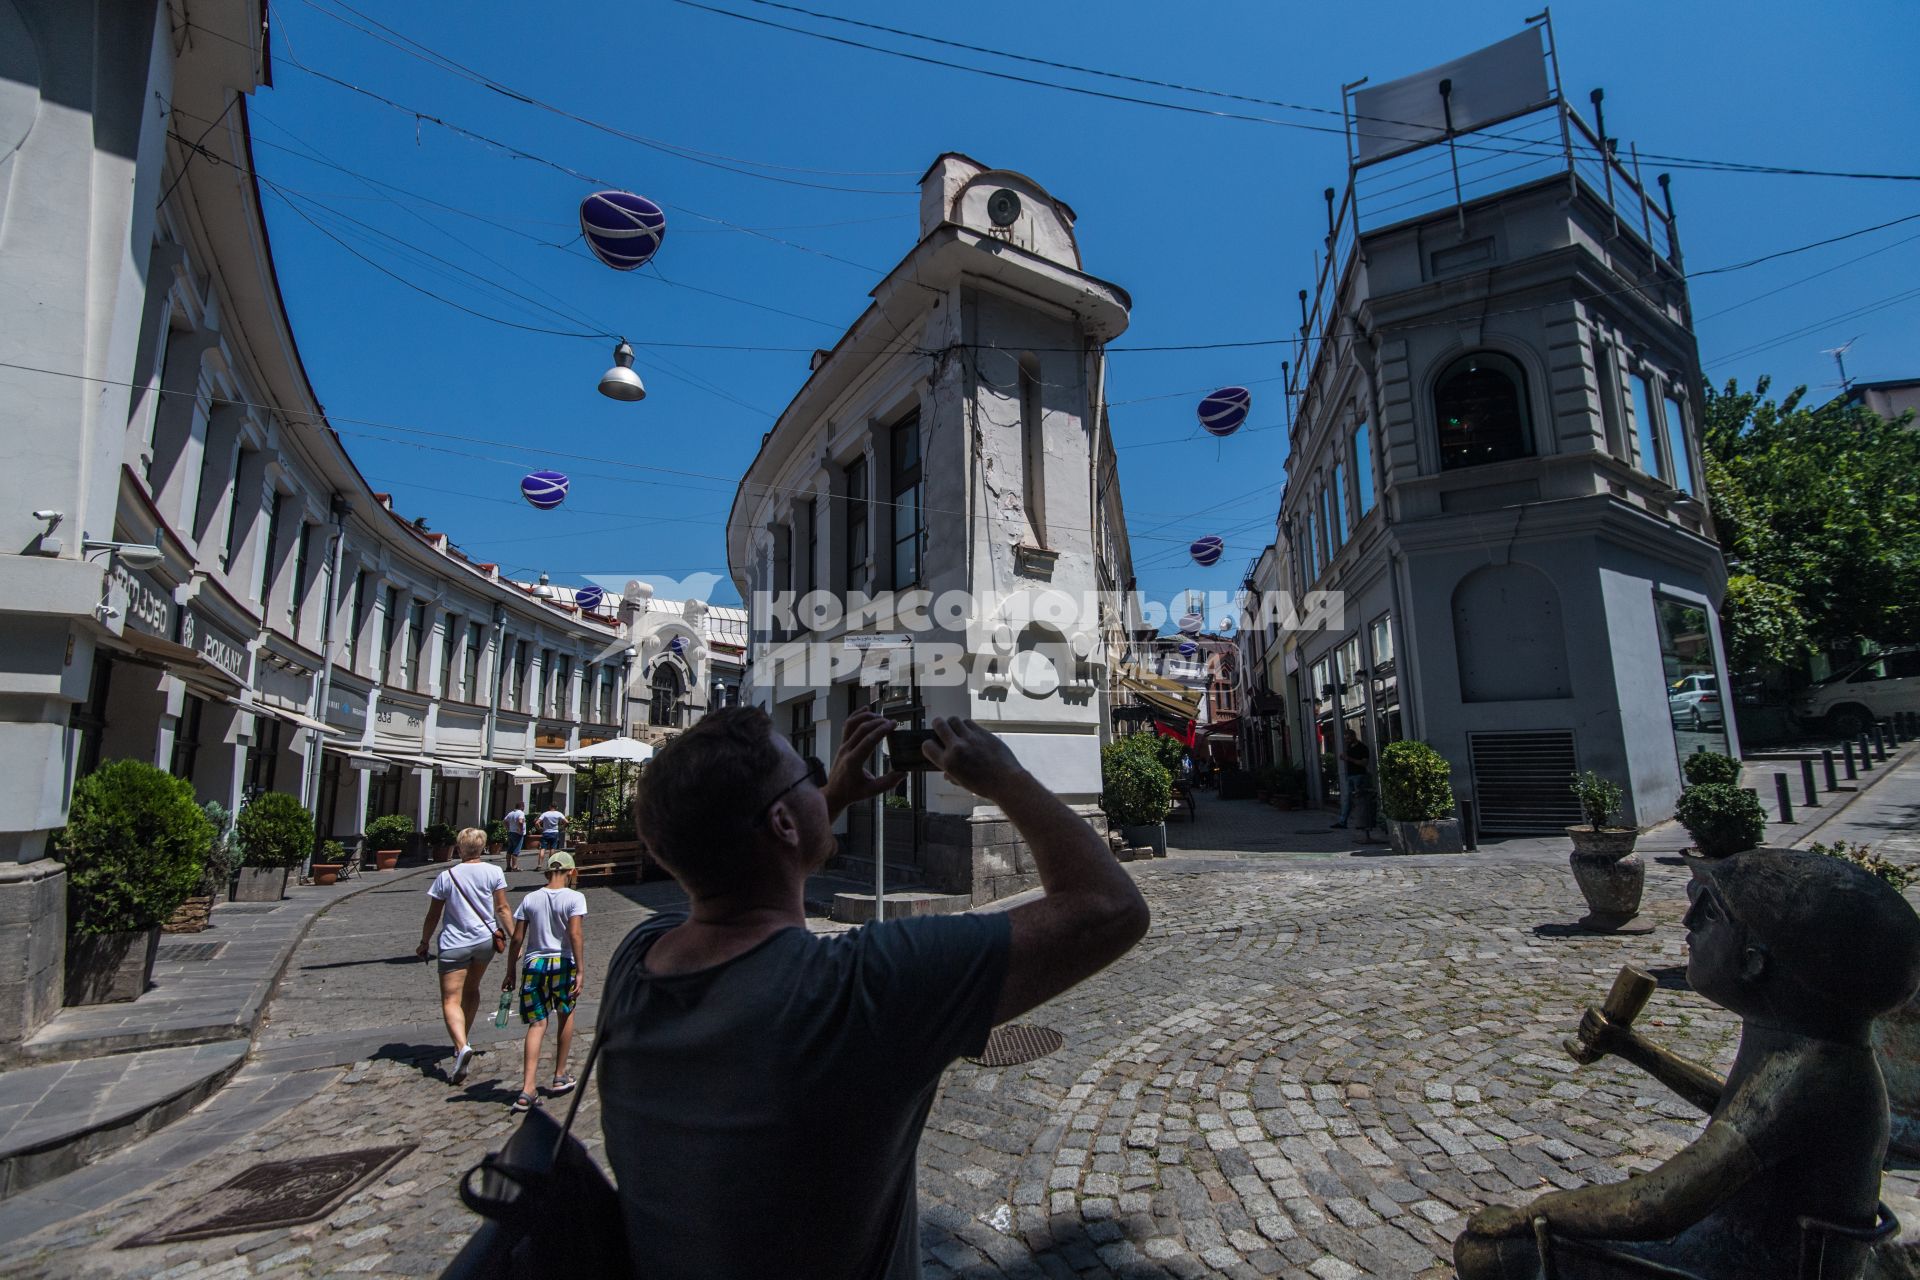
816	774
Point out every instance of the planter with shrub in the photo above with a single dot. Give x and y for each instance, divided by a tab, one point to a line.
387	836
439	841
1710	766
223	859
1416	798
1610	874
1721	818
331	860
275	834
1136	789
135	846
496	836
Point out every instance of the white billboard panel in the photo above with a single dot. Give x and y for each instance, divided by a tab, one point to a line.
1489	84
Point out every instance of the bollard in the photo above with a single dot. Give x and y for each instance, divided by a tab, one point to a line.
1780	794
1893	731
1848	748
1866	755
1811	797
1826	762
1879	742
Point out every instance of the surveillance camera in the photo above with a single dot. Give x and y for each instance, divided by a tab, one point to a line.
55	516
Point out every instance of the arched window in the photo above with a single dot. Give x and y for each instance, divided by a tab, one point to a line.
665	710
1480	411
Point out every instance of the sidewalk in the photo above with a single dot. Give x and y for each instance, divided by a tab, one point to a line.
98	1077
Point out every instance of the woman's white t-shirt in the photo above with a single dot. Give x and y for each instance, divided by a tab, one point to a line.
467	890
547	912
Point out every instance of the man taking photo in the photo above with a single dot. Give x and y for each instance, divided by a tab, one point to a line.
763	1088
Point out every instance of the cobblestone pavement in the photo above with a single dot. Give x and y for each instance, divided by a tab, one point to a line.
1310	1068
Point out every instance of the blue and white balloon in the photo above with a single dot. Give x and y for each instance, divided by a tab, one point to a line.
544	489
622	229
677	645
1191	623
1207	551
1189	649
1225	411
589	598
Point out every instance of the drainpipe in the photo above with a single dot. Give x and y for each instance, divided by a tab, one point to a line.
310	779
493	707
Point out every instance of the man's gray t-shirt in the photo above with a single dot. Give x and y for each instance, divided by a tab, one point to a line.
763	1116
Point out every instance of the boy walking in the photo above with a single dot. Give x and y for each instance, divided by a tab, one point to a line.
550	925
516	824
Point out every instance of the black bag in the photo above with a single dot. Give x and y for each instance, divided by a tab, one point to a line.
546	1204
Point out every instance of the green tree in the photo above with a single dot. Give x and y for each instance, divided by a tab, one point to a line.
1819	510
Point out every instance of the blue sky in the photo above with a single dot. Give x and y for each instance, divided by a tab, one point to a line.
1210	224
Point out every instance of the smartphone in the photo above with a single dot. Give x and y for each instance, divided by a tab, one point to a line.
903	749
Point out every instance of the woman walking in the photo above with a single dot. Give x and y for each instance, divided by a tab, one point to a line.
550	924
469	908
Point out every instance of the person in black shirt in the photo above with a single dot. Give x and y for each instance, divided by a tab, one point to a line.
1358	761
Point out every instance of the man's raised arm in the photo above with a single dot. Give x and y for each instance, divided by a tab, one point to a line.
1091	912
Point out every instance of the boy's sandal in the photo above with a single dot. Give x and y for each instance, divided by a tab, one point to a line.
525	1102
562	1084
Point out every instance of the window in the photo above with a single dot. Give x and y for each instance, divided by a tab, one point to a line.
800	728
1677	444
470	669
389	630
809	568
562	682
186	739
543	698
450	657
1033	454
1480	410
357	618
300	547
263	759
517	695
665	711
1329	536
416	676
1341	525
1643	427
263	588
1698	713
89	719
1310	558
230	540
1608	373
1363	469
857	525
609	693
908	532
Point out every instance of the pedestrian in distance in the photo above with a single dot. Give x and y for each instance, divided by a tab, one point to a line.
468	907
516	825
550	927
1358	759
763	1088
552	823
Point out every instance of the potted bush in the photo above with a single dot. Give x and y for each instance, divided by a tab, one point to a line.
223	858
1721	818
135	846
1610	874
1705	766
275	833
439	839
496	835
387	836
1136	790
1416	797
328	865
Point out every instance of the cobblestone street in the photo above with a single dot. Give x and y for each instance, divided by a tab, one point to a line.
1311	1066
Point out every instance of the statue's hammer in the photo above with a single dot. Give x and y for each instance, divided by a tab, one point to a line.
1631	990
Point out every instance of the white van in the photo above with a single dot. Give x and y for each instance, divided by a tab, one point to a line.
1874	689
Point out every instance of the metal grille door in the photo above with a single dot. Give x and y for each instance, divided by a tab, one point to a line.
1522	781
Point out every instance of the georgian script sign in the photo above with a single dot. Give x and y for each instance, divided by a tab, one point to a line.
149	609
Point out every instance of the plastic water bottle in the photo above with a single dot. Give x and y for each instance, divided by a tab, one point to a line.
506	998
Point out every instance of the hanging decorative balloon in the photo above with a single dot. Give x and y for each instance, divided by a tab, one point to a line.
1188	649
544	489
1207	551
589	598
1190	623
1225	411
677	645
622	229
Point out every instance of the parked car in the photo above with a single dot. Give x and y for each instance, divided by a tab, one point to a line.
1873	689
1694	701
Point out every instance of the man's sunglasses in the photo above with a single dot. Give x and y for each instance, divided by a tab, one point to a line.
816	774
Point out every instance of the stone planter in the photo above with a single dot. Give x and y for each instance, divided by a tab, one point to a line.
326	872
104	968
190	916
1611	876
386	859
1434	835
1150	835
259	884
443	853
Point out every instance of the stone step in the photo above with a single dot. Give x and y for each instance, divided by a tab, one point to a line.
857	908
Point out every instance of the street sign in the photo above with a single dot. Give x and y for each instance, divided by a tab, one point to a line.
892	640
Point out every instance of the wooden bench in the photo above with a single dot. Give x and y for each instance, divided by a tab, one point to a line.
612	862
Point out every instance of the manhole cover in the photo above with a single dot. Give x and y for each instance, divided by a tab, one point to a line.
280	1193
1011	1045
176	951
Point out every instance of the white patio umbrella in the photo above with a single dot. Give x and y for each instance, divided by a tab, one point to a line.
631	750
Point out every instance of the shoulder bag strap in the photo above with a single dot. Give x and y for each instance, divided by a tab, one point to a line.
487	913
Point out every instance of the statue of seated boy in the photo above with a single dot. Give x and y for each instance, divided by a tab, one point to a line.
1784	1184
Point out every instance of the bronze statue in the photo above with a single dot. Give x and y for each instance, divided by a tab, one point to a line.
1784	1184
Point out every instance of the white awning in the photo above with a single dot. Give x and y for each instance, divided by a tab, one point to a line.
558	768
527	775
614	749
408	762
356	758
291	717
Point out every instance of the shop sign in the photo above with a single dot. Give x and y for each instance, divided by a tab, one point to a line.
397	724
347	709
149	608
550	740
220	647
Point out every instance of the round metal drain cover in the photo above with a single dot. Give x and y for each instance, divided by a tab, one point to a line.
1011	1045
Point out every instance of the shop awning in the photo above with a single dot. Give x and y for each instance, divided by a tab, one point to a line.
408	761
291	717
527	775
558	768
356	757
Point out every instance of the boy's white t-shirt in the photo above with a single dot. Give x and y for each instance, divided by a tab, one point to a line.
547	912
